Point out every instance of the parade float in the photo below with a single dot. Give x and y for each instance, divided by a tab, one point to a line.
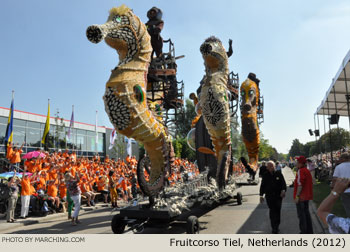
142	100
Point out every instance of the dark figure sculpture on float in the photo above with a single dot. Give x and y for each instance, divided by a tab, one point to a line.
248	168
230	51
154	27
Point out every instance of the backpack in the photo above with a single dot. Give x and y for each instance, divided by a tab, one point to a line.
5	192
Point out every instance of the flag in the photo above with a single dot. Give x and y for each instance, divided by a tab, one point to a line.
9	128
47	125
71	126
128	147
112	138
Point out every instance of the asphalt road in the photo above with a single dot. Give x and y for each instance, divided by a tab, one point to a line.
230	218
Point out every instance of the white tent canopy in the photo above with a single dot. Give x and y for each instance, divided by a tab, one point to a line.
337	97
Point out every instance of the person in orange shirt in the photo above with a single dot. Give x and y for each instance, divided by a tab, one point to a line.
30	165
9	152
86	191
26	192
52	191
62	188
41	182
65	154
127	159
15	158
107	160
73	156
102	186
124	184
53	172
37	164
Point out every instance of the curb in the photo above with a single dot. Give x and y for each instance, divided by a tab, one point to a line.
6	227
321	224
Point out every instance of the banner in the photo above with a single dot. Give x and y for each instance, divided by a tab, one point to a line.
71	126
129	147
112	138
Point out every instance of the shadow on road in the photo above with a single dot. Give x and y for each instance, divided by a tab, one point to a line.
88	222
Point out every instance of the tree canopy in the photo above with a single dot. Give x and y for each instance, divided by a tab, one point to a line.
333	140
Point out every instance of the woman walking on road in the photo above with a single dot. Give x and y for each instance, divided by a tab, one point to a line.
75	194
12	201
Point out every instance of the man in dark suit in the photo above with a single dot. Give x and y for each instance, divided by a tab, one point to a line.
274	187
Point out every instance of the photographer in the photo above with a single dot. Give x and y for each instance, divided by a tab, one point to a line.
342	170
336	225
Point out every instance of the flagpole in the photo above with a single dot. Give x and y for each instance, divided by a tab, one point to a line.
9	127
73	127
96	138
47	136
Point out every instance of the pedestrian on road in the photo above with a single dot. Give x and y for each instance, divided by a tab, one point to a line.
311	166
12	201
302	195
278	167
336	225
75	194
113	189
274	187
262	169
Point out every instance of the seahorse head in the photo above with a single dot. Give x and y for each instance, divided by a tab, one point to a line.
123	31
250	96
214	55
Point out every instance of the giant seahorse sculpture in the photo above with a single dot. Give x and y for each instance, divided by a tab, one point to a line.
214	105
249	111
125	97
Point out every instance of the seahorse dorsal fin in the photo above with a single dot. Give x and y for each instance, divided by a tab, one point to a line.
206	150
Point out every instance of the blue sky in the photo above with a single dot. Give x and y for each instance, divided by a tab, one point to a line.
294	47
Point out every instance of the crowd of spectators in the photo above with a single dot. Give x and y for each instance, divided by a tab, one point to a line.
335	168
108	180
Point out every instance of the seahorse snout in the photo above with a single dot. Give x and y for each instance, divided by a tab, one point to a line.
206	48
247	108
94	33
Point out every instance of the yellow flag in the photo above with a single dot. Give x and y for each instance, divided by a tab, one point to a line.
47	126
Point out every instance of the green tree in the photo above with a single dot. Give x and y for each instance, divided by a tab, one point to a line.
182	150
297	148
238	147
282	157
119	147
183	121
59	141
177	147
265	149
308	147
334	139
